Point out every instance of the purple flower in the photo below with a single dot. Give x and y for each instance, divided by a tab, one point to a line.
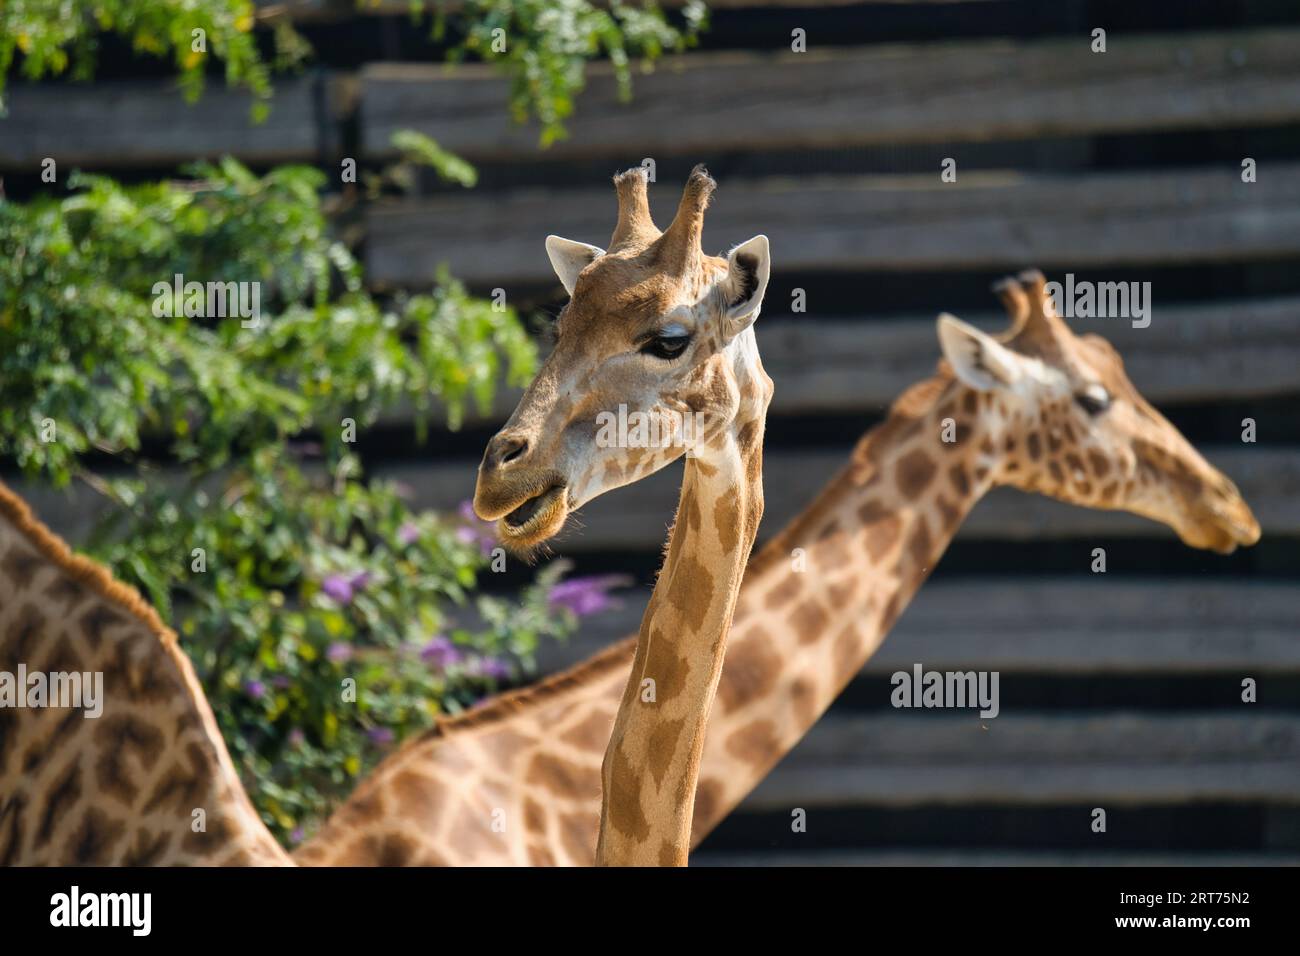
380	735
476	530
440	652
492	667
586	595
339	652
254	689
296	737
296	836
338	588
408	533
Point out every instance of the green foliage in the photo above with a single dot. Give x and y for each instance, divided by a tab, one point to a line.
547	43
310	575
419	150
53	35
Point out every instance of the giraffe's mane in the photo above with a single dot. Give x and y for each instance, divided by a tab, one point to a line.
912	405
909	407
85	571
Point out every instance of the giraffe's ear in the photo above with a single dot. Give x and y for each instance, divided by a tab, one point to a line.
568	258
748	268
979	360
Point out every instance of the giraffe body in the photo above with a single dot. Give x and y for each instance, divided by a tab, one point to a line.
148	781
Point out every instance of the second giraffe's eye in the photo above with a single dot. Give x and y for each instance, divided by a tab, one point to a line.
668	343
1094	399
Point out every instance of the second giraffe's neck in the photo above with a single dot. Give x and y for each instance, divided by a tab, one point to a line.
815	605
821	596
653	758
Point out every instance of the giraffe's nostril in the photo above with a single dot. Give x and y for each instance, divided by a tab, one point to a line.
503	449
517	448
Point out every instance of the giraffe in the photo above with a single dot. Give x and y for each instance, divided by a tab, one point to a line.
658	333
1037	408
149	780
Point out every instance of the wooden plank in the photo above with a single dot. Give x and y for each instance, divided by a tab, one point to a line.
1188	353
994	221
905	758
637	517
950	92
1064	626
924	857
138	123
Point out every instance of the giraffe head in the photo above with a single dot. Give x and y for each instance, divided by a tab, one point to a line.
1072	425
653	358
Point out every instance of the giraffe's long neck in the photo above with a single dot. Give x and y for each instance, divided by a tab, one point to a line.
821	596
653	758
139	774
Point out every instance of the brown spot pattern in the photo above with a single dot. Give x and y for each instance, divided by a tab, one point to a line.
809	621
914	473
755	743
750	672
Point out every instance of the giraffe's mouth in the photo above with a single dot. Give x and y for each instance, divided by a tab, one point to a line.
1230	530
536	519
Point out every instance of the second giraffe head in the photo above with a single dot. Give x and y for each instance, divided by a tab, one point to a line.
654	357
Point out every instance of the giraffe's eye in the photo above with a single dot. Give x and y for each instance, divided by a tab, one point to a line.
668	343
1094	399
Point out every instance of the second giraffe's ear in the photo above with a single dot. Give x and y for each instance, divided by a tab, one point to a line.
979	360
748	268
568	258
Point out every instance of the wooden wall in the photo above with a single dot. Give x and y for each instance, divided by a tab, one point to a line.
1120	691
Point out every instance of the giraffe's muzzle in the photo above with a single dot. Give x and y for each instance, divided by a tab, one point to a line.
534	519
1232	527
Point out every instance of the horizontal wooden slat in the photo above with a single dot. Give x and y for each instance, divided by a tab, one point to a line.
1085	625
1231	350
919	857
705	103
990	221
926	757
636	517
945	92
117	124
